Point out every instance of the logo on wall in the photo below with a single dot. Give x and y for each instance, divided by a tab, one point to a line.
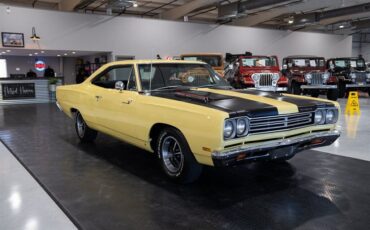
40	66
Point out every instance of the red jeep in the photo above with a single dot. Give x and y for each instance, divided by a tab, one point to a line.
257	71
308	75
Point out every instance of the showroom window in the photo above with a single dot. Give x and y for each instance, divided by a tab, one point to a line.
108	79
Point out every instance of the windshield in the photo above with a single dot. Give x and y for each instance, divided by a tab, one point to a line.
346	63
173	75
259	61
306	62
214	61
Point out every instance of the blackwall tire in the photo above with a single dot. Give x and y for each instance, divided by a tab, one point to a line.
333	94
342	89
84	132
296	88
315	93
176	158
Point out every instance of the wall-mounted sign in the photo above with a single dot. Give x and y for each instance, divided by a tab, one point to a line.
12	39
18	90
40	66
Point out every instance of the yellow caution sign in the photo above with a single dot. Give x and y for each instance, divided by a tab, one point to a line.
353	105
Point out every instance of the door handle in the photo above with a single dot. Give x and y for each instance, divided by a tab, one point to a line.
129	101
98	98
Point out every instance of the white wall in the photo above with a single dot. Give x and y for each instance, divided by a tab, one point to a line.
364	50
144	38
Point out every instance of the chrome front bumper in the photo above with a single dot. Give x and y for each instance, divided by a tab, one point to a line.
272	89
357	85
319	86
274	149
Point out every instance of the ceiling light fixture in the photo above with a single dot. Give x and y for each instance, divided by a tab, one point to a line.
65	54
42	51
8	51
58	55
30	55
34	36
135	4
8	10
73	52
36	53
341	26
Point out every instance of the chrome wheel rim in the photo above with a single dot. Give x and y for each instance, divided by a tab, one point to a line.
172	155
81	126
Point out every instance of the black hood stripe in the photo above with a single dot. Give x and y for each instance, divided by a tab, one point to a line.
303	104
235	106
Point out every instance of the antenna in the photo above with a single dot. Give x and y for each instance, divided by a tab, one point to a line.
150	77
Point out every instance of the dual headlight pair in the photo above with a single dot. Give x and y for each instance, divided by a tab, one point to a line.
326	116
325	76
236	127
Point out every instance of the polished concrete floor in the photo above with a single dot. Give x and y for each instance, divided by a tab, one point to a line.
111	185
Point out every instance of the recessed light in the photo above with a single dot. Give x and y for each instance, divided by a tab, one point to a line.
8	51
341	26
58	55
42	51
36	53
3	52
135	4
291	21
73	52
30	55
65	54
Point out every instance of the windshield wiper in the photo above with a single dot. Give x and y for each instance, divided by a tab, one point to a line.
169	87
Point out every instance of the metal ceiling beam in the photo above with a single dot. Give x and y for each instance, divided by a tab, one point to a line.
183	10
68	5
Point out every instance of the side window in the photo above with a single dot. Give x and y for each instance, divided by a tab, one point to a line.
108	79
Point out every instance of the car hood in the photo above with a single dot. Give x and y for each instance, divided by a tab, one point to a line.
251	103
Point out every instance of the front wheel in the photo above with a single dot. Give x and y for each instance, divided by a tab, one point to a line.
315	93
176	158
342	89
84	132
333	94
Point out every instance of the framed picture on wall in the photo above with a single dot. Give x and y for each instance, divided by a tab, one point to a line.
12	39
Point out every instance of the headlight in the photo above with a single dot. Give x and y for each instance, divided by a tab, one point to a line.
256	77
308	76
353	75
229	129
325	76
275	77
319	117
242	126
331	116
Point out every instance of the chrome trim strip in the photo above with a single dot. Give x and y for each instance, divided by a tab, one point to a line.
271	89
59	107
274	143
357	85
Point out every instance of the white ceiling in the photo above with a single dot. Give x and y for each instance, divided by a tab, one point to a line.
45	53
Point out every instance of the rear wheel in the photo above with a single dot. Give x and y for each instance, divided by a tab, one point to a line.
177	160
84	132
296	88
333	94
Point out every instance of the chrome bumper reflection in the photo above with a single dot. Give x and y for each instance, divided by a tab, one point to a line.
59	107
267	149
358	85
272	89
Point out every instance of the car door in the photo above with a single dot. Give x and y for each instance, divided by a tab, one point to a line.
115	108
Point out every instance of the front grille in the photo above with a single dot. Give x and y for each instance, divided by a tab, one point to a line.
265	79
282	122
317	79
360	77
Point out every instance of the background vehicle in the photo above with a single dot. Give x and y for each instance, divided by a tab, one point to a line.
255	71
308	75
215	60
351	72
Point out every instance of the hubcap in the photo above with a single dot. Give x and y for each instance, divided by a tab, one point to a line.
80	126
172	155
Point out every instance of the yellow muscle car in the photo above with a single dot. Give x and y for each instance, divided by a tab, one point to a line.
189	116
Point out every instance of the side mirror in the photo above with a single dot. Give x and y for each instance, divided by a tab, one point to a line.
119	86
332	66
285	66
